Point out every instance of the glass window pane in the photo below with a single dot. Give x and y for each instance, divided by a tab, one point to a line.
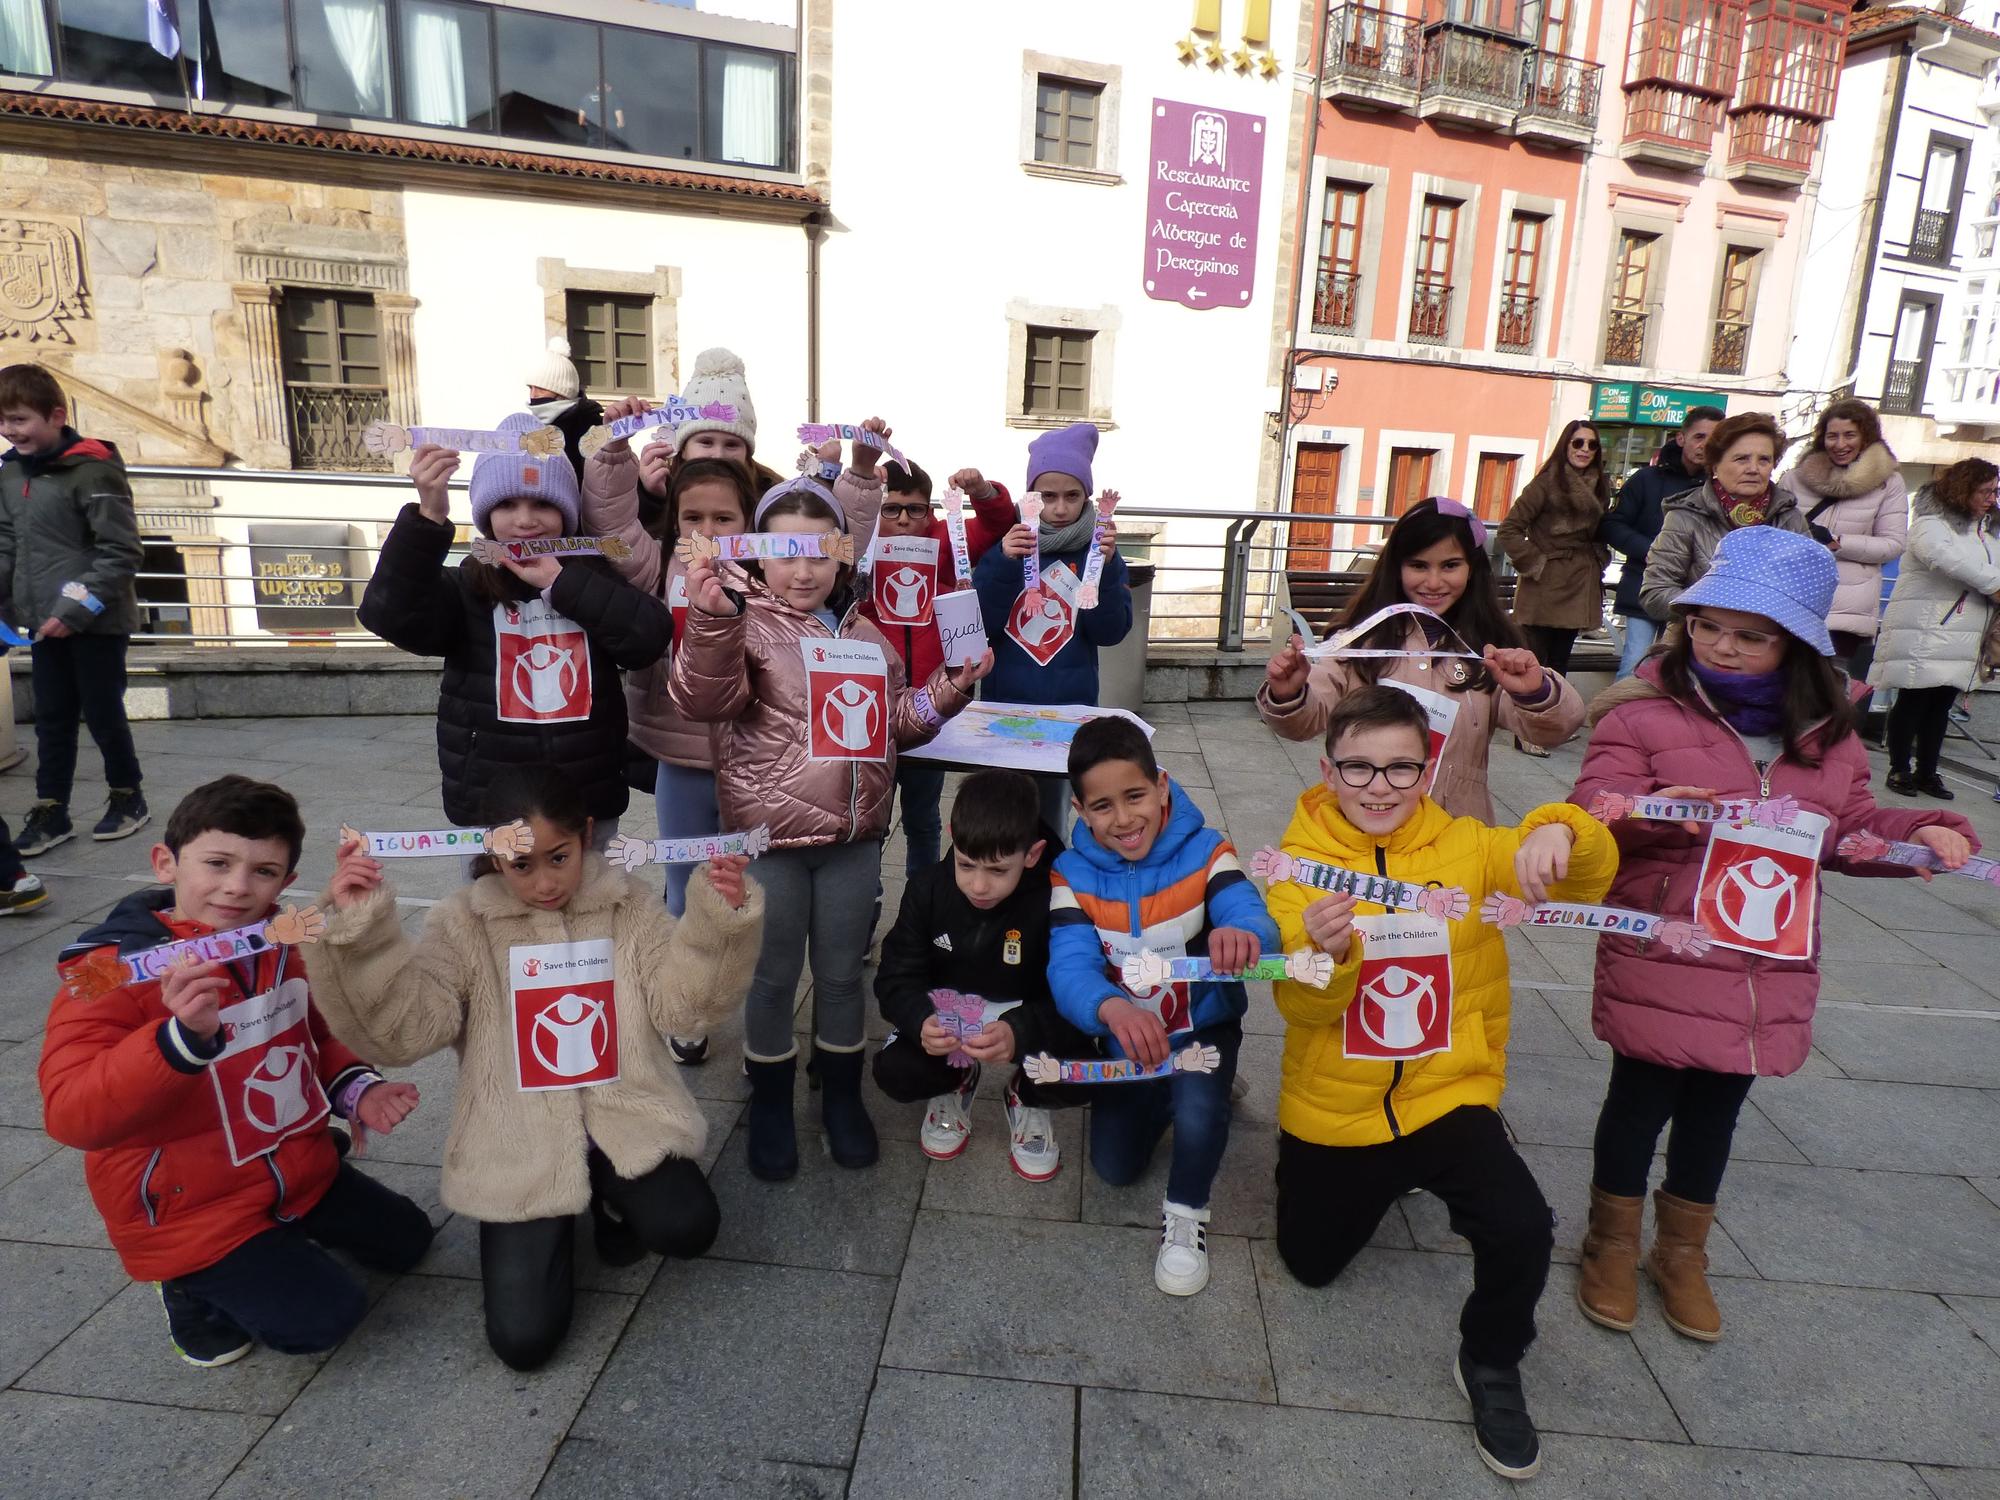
343	49
1082	104
447	65
549	87
743	101
244	55
653	97
24	38
104	42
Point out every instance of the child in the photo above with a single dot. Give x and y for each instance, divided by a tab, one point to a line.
1436	557
811	705
1743	704
717	378
1045	648
566	1095
531	649
1393	1072
977	921
555	397
202	1101
69	551
1146	873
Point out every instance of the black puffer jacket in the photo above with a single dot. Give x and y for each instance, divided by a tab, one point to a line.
1631	524
414	602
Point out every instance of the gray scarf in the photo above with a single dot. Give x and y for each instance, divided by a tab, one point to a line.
1057	540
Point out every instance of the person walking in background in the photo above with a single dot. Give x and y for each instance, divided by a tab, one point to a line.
1550	535
555	395
69	555
1932	631
1742	452
1634	521
1856	504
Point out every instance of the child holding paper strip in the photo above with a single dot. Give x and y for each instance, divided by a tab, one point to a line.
1393	1072
1435	557
810	703
1745	704
717	379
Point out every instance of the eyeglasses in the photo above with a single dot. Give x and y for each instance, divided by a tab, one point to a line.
1584	445
1400	774
1750	642
911	512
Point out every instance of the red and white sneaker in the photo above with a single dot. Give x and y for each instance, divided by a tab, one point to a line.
948	1122
1032	1150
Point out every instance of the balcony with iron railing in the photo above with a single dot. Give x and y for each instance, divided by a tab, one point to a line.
1514	333
1729	349
1679	74
1903	388
1771	147
1625	336
1430	313
1558	99
1471	78
327	422
1931	236
1336	302
1372	58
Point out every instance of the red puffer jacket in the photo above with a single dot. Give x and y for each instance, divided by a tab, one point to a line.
188	1155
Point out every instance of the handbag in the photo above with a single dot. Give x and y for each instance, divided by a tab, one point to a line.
1819	533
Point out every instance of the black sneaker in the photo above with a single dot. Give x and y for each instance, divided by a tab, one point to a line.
25	894
46	825
1933	786
124	815
201	1335
617	1243
1502	1430
688	1051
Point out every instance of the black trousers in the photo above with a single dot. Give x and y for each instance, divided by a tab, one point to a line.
1919	721
529	1268
285	1291
1642	1097
80	677
1330	1198
1551	646
906	1073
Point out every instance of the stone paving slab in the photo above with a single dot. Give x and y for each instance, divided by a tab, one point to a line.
46	1293
980	1180
1923	985
21	1149
828	1217
65	1448
1893	1046
587	1469
49	1205
1553	1101
1962	1484
929	1435
1894	1126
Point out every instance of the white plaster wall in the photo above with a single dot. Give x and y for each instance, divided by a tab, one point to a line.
1822	341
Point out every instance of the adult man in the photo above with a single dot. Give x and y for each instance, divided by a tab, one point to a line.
1631	524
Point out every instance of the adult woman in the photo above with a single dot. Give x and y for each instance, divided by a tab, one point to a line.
1848	487
1936	620
1742	452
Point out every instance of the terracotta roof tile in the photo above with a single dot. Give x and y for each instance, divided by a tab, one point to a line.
1883	18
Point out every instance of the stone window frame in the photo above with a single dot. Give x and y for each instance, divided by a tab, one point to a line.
1470	197
1375	205
558	278
1764	244
1101	322
1660	221
1110	80
1548	323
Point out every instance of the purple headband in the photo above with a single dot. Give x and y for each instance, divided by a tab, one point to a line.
1449	507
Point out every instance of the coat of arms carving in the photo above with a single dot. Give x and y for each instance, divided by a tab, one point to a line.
41	281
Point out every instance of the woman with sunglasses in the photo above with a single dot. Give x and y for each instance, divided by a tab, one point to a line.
1742	452
1744	703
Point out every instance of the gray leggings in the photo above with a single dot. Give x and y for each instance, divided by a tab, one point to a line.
825	892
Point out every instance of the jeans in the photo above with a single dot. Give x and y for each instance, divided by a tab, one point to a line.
1551	646
1919	720
1640	634
81	677
1128	1119
922	784
1330	1198
820	897
684	802
1641	1098
528	1269
285	1291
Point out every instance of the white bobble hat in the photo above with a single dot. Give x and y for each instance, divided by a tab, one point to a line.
718	377
554	372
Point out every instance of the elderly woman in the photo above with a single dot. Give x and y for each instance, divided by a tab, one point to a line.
1848	486
1742	452
1936	621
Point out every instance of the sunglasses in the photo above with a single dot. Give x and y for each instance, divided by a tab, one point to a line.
1584	445
909	512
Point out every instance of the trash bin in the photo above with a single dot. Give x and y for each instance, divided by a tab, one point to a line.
1121	669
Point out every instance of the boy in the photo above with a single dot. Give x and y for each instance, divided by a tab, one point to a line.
1393	1072
977	921
69	550
202	1100
1146	873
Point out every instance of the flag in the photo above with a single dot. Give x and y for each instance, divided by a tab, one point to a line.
163	27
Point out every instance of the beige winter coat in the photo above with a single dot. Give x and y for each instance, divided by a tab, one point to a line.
512	1154
1550	535
1870	516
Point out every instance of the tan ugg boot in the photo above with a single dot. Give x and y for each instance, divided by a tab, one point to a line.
1607	1288
1678	1264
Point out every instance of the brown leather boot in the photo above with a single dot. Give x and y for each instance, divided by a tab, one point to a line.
1678	1264
1607	1288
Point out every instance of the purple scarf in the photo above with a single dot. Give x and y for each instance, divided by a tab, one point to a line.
1749	702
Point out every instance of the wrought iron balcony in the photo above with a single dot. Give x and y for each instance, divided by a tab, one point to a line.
1729	350
1931	235
1372	57
1625	337
1471	78
1903	391
1515	332
1430	314
327	422
1336	301
1558	99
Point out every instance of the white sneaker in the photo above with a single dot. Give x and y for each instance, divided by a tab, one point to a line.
1033	1152
1181	1268
948	1122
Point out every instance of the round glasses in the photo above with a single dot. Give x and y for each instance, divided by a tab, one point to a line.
1400	774
1583	445
1750	642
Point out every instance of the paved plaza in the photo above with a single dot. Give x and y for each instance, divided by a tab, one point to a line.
926	1329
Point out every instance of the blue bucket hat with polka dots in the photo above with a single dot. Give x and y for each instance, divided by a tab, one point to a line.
1780	575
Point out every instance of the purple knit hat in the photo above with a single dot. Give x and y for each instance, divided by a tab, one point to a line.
513	476
1067	450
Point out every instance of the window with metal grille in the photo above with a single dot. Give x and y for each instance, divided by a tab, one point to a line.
1066	121
611	341
1625	326
1336	302
1729	351
1910	355
1520	278
1936	223
1058	383
1430	292
330	352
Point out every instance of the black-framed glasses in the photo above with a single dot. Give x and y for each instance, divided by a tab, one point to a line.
1400	774
914	512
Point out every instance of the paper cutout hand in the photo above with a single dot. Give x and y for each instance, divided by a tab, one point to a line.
1503	910
615	548
626	852
1609	807
1145	970
1448	903
1777	812
1271	864
510	840
1199	1058
351	835
384	438
1863	846
1684	937
757	840
1041	1067
93	976
295	925
1308	966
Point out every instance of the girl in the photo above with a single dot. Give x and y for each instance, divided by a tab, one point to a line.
718	376
1436	557
707	497
1743	703
1853	496
531	649
1937	619
1550	535
811	704
553	977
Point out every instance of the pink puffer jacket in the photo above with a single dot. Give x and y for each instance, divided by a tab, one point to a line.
746	674
1726	1011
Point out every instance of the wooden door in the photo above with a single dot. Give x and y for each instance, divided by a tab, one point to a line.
1315	488
1495	493
1409	477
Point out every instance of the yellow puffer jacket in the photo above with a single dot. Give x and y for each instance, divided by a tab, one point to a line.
1333	1100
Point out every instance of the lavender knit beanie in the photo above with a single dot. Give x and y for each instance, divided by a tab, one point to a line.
1067	450
512	476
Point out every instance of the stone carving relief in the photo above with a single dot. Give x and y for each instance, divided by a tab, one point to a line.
41	280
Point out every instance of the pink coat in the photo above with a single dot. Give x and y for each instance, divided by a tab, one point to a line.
1728	1012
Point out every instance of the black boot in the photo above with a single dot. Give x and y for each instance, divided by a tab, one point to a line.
850	1134
774	1143
1932	785
1901	782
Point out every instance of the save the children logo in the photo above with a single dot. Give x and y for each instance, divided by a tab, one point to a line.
274	1095
1402	996
571	1034
531	967
847	696
541	666
1758	898
1758	891
565	1026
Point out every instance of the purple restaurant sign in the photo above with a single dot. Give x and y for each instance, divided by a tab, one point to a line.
1205	179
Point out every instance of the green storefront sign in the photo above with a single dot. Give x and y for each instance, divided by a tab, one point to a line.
1646	405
